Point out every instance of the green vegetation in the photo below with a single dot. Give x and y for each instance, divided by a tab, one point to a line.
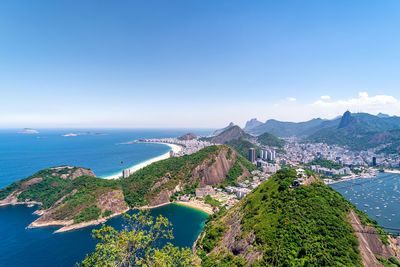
135	245
242	145
6	191
325	163
233	174
189	189
237	170
212	161
107	213
213	202
229	154
88	214
305	226
70	199
268	139
81	206
391	262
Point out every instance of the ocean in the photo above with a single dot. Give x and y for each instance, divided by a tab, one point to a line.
22	155
379	197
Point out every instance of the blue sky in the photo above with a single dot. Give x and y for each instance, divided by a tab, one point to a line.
195	63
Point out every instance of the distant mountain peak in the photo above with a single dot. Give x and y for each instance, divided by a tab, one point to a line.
252	124
346	120
217	132
382	115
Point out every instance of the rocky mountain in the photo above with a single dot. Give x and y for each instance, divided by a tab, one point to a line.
346	120
280	225
218	132
236	138
156	183
227	135
73	197
361	131
251	124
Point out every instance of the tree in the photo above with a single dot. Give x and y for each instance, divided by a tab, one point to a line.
137	244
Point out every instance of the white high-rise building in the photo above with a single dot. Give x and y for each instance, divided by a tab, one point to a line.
261	154
126	173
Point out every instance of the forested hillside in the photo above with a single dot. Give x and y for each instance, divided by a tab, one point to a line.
281	226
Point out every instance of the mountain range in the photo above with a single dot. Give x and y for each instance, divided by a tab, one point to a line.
358	131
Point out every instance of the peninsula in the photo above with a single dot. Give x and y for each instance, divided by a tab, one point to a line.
72	197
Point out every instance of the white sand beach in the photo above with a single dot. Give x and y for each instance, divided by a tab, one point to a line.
175	148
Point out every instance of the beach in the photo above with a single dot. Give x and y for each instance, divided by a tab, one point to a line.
392	171
175	148
196	204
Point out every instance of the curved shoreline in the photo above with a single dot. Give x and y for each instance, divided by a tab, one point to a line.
175	148
66	226
197	206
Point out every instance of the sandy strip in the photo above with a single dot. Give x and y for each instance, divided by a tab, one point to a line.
392	171
196	205
175	148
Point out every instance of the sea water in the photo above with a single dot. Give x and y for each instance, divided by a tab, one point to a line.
106	153
379	197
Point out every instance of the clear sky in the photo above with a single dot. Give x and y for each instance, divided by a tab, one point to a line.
195	63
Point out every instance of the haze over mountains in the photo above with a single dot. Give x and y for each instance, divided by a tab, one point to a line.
358	131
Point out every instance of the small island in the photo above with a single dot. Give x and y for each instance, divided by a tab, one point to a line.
28	131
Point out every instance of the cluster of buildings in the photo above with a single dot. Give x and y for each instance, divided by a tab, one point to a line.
243	188
331	172
264	160
297	154
229	196
266	155
380	160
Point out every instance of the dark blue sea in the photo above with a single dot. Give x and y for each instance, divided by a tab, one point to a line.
24	154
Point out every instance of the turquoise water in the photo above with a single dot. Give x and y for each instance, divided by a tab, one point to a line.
379	197
22	155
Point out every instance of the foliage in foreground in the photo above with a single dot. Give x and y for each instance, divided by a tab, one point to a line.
137	244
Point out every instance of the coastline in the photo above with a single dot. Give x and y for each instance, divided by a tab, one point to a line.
196	205
175	148
392	171
68	225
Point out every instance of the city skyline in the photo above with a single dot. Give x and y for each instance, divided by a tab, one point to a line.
195	64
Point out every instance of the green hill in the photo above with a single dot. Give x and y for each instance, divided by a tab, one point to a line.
268	139
66	195
278	226
242	145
